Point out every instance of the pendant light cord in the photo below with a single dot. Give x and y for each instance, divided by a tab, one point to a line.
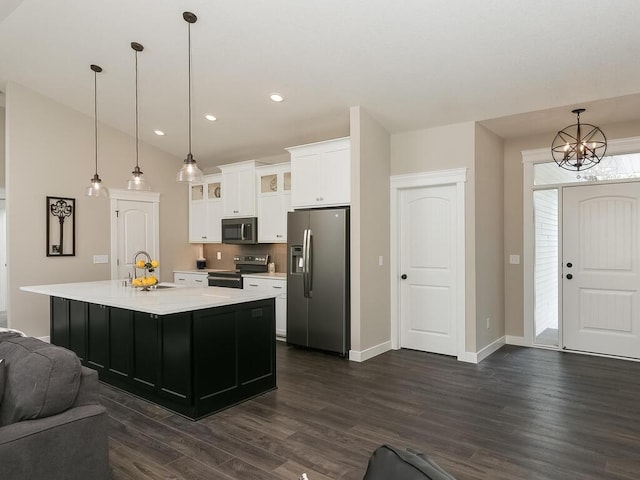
136	109
189	43
95	113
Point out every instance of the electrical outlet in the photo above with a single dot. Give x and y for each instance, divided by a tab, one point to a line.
219	255
488	322
380	260
101	259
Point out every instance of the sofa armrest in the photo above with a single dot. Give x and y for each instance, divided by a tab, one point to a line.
72	445
89	388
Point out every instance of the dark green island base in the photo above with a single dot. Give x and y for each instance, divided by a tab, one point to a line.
194	363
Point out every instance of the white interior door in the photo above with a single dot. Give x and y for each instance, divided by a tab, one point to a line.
3	256
428	236
135	229
600	254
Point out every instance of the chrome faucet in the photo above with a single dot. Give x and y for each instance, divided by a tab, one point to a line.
135	259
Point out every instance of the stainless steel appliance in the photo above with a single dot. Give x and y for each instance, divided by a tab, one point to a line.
318	279
240	231
244	264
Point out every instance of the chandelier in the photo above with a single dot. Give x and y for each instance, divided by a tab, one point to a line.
579	146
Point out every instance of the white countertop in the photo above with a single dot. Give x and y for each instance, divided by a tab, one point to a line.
161	301
278	275
202	271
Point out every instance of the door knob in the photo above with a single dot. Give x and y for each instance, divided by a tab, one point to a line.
403	276
569	265
569	276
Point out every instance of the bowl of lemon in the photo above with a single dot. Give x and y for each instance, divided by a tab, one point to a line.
147	279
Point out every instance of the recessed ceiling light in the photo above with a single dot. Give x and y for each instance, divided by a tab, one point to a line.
160	133
210	117
276	97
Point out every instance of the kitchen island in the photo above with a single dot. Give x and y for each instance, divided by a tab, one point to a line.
192	350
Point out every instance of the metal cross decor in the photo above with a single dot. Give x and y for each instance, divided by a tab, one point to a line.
62	209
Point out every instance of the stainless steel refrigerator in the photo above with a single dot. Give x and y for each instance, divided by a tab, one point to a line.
318	279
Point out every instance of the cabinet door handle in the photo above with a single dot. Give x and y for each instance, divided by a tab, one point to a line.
253	284
199	281
274	286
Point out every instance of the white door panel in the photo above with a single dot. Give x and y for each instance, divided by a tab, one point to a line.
601	303
135	231
427	258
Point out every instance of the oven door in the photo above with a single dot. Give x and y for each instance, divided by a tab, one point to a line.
240	230
225	281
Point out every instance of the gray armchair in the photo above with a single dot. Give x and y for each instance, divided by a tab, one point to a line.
51	423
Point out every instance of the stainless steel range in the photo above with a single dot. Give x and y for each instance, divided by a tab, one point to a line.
256	263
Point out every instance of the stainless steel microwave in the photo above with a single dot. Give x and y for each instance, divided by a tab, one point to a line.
240	230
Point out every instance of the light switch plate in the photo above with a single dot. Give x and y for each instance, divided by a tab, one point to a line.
514	259
101	259
380	260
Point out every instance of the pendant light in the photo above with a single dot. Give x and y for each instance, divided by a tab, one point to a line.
190	171
96	189
578	148
137	180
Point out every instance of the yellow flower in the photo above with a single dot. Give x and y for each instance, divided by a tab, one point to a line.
140	264
154	264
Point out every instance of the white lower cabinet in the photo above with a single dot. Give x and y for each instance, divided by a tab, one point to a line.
191	279
279	286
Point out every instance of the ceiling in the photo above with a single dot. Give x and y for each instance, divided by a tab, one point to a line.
516	65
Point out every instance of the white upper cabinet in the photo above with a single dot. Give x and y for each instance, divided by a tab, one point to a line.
273	184
205	210
238	182
321	174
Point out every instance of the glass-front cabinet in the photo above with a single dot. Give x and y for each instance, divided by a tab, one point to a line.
273	184
205	210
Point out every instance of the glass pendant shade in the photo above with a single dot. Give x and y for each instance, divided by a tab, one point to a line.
138	181
95	188
190	171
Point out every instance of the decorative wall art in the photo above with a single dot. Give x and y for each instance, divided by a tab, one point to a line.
61	227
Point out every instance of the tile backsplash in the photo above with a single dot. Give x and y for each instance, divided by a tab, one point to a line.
277	253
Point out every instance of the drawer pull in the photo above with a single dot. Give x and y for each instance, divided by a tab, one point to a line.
253	284
275	286
199	281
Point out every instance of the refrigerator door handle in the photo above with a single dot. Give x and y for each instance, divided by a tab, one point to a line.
310	263
304	263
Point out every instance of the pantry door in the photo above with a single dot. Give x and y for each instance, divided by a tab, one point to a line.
134	227
428	261
601	269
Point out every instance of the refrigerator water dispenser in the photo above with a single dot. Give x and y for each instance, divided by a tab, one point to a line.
296	261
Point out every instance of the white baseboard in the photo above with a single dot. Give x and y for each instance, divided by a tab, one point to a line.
513	340
489	349
45	339
471	357
468	357
364	355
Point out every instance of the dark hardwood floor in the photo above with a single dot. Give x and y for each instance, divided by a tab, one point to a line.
521	414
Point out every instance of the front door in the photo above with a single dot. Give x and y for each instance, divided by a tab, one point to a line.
428	238
600	269
135	230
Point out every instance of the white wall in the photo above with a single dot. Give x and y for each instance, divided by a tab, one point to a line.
489	245
442	148
2	146
514	274
370	227
50	151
